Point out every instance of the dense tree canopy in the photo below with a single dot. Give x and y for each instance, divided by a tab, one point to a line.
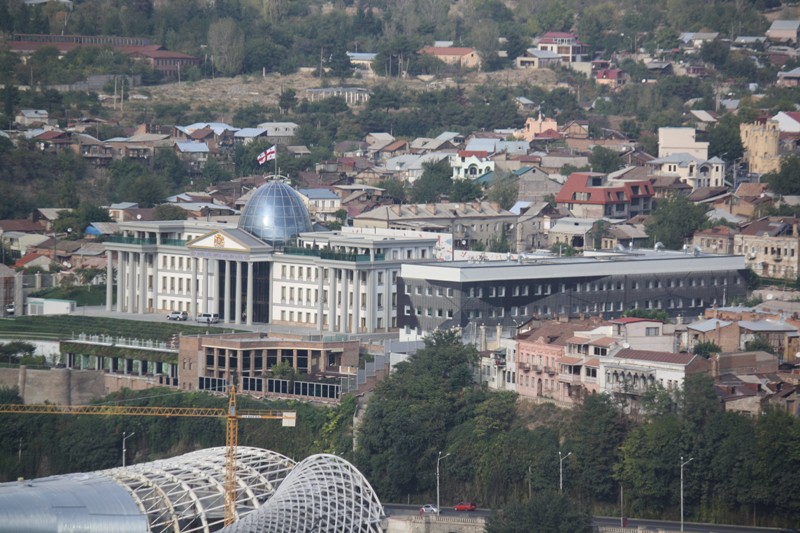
675	220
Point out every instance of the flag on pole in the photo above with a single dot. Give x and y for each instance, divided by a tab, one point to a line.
268	155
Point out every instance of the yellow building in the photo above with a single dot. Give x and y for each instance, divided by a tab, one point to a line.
761	143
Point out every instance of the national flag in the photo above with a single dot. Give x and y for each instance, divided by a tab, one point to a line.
267	155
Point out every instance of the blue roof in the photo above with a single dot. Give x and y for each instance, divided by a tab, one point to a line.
192	147
318	194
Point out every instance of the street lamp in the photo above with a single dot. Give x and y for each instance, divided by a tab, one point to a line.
683	463
438	459
561	470
125	437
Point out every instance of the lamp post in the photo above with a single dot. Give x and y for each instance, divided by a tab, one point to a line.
561	470
683	463
125	437
438	459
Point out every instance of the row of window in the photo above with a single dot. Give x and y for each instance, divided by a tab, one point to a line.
596	307
429	311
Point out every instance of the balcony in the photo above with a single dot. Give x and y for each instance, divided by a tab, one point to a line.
500	362
331	255
526	367
130	240
537	368
574	379
550	370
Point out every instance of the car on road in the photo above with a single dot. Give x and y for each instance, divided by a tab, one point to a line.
428	508
465	506
178	315
208	318
11	308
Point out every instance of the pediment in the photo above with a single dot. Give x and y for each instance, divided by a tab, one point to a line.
219	240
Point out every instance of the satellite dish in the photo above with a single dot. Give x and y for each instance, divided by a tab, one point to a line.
626	345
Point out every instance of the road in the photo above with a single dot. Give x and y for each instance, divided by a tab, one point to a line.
400	510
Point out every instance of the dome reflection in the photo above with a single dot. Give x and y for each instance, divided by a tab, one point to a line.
275	214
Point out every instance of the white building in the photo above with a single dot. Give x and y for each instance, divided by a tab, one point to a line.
268	268
680	141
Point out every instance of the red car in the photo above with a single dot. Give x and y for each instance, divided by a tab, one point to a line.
465	506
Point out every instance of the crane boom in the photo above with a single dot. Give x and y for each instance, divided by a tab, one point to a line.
231	414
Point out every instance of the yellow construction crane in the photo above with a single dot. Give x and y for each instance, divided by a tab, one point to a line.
232	416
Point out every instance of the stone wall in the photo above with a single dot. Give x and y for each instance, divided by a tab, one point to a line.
63	386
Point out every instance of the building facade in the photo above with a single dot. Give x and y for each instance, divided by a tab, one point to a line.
466	295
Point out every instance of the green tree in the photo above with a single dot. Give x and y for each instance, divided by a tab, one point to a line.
706	349
759	344
504	190
436	180
226	41
169	212
596	431
393	189
546	512
287	100
604	160
465	190
785	181
674	221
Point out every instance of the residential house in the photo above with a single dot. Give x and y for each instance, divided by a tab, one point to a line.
140	147
536	127
30	118
194	154
788	121
322	204
571	231
471	164
53	141
96	152
592	195
624	234
770	247
566	45
790	78
703	120
692	42
377	142
247	136
553	162
576	129
533	224
613	78
715	240
35	260
458	56
536	185
534	58
691	170
469	222
784	31
279	132
629	373
539	354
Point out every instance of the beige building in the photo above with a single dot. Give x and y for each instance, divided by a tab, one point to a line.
761	143
770	247
461	57
680	141
536	126
468	222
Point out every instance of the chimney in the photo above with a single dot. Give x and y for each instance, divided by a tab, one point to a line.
483	338
715	365
499	332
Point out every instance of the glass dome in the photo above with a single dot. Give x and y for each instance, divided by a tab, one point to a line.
275	213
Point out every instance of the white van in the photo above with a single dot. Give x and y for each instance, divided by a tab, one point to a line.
208	318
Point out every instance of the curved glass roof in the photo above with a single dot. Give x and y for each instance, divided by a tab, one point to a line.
323	493
275	214
184	494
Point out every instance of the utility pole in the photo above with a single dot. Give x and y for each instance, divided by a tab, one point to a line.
683	463
561	471
438	459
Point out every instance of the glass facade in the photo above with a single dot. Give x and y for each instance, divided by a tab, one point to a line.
275	214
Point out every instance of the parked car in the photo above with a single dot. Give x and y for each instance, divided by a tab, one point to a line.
428	508
465	506
208	318
11	308
178	315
